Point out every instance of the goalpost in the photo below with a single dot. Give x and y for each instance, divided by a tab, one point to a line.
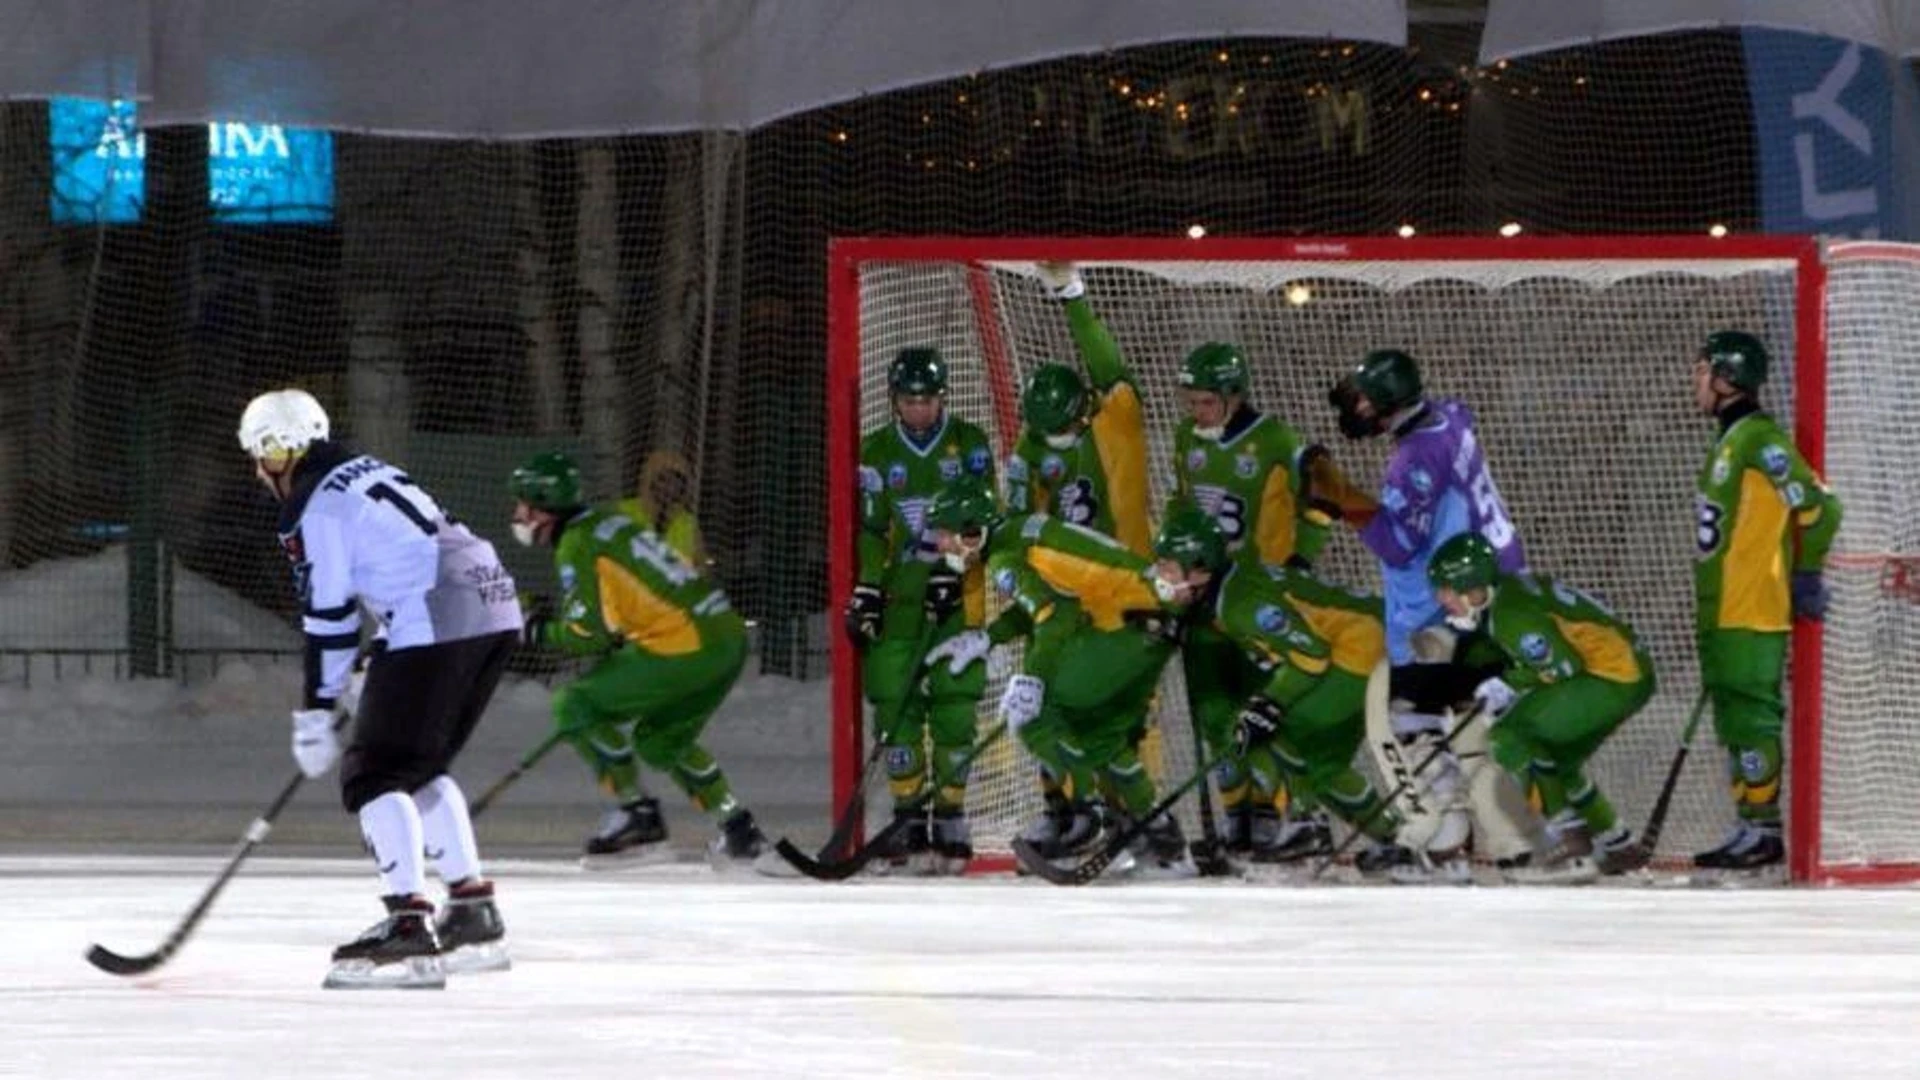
1575	354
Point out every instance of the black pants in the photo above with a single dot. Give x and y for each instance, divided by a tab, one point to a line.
1433	688
417	711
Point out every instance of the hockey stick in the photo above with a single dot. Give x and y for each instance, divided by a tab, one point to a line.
1209	854
1360	827
1097	864
533	758
823	869
838	840
1657	820
114	963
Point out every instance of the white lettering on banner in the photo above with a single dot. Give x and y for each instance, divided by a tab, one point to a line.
1822	103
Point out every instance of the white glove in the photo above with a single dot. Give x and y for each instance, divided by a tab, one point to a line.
960	651
1495	698
1020	702
315	747
1062	279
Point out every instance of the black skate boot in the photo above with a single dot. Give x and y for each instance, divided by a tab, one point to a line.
740	843
472	937
1161	851
400	951
632	835
1752	846
1309	837
951	842
909	849
1380	858
1236	831
1616	852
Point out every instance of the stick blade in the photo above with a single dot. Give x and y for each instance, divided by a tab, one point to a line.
818	869
114	964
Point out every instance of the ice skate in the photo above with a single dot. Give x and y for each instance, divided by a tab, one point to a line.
398	952
1452	866
1752	854
1617	853
951	843
1567	860
472	936
1295	841
631	835
908	851
742	846
1161	851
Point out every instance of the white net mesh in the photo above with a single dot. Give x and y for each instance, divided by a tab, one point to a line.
1579	373
1870	690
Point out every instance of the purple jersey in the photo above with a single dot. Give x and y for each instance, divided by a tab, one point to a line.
1436	487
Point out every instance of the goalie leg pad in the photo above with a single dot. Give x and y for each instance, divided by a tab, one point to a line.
1400	741
1497	802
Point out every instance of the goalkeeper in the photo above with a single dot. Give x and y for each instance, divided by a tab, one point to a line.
1082	458
1273	496
1766	521
1097	641
666	649
907	600
1575	672
1308	649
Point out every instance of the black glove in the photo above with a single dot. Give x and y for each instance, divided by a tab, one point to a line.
944	594
864	611
1300	562
1810	595
1164	625
1259	722
534	620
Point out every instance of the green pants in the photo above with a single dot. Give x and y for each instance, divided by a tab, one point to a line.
933	718
639	705
1544	741
1312	756
1742	671
1219	681
1100	686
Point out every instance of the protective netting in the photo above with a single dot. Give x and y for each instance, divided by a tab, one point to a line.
1579	373
1870	678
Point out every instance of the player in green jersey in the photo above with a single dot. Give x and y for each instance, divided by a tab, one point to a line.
1310	647
1082	458
906	600
1765	523
1575	672
1097	639
1273	497
666	648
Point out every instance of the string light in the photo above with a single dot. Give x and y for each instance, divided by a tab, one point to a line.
1717	230
1196	231
1298	294
1406	231
1510	229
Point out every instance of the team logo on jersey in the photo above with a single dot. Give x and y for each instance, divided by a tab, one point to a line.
977	461
1196	459
1052	467
1796	494
949	468
870	480
1017	469
1753	766
1004	580
1722	468
897	476
1422	481
1245	466
1533	648
1270	619
1774	459
567	578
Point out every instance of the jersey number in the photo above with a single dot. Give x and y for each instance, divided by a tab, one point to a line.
664	559
1078	504
382	492
1486	499
1232	518
1707	533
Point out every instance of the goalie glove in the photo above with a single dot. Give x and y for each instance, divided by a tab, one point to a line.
961	651
1495	698
1020	702
315	746
943	596
1259	722
865	608
1062	280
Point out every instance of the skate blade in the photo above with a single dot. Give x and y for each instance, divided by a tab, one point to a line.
413	973
1580	871
1762	878
473	959
634	858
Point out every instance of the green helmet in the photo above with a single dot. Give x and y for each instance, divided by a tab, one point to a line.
964	505
1216	367
1737	357
1055	396
1465	562
547	481
1189	536
1390	378
918	372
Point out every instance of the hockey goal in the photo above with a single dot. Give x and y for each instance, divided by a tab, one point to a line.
1575	353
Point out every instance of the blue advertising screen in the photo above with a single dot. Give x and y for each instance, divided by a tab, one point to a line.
256	173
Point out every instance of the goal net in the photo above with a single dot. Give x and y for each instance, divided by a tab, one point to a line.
1576	356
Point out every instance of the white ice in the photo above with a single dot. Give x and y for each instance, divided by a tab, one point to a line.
677	973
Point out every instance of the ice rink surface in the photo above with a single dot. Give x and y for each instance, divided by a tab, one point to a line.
675	972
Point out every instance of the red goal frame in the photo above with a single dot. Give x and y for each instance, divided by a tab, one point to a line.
846	255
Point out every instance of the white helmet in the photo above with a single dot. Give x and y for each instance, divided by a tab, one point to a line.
282	424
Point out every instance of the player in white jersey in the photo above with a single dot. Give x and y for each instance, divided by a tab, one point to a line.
360	535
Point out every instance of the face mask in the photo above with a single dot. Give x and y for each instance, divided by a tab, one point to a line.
1471	620
1063	440
526	533
1171	592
